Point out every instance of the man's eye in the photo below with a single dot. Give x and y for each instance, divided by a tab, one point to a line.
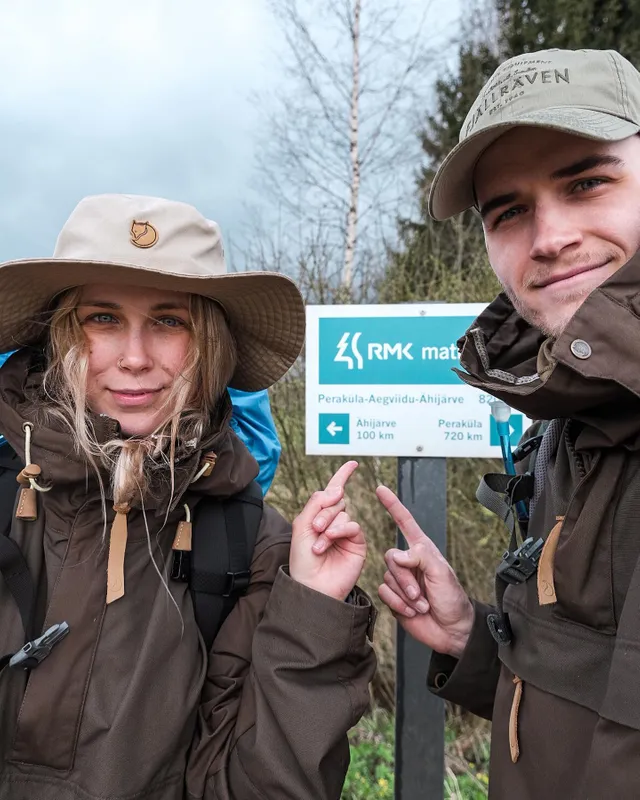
510	213
588	184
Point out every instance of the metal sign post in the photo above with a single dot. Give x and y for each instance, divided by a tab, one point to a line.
422	487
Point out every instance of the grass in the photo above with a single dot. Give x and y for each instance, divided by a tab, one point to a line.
371	775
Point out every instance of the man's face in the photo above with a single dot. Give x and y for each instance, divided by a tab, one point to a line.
561	214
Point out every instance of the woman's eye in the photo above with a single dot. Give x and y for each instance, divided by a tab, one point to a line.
101	318
171	322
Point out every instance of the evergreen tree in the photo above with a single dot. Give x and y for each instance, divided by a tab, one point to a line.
527	25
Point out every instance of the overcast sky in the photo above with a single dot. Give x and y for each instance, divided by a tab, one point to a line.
151	97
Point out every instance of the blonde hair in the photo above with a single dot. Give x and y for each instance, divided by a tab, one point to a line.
193	397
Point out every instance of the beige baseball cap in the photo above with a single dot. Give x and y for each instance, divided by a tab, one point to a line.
148	241
590	93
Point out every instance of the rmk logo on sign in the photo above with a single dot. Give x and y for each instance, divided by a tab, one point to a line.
390	350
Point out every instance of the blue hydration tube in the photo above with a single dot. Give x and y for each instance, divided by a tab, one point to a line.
501	413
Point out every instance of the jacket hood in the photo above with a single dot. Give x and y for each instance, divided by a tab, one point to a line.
589	373
53	450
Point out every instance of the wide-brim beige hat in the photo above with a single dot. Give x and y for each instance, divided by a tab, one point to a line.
594	94
146	241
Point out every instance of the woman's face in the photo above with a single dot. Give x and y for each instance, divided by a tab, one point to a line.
138	340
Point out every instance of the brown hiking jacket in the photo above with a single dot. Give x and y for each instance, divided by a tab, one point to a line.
564	696
128	705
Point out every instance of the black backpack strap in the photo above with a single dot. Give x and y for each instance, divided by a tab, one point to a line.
13	566
224	537
518	563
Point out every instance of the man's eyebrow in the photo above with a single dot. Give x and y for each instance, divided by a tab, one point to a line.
497	202
570	171
590	162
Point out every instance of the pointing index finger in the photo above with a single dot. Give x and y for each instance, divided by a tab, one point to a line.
339	480
413	533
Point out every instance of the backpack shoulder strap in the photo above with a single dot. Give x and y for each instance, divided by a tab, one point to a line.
224	537
13	566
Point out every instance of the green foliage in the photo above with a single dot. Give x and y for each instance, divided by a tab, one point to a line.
528	25
371	775
466	786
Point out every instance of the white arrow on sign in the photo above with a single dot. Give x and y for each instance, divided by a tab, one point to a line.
333	428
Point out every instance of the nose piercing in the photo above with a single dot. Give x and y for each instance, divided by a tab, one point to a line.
119	365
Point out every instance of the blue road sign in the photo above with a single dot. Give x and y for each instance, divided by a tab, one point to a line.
334	429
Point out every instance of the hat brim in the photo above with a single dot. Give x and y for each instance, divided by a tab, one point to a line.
265	310
452	188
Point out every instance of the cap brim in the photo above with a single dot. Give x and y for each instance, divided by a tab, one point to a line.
452	188
265	310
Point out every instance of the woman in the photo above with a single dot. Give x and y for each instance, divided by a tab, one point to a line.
117	406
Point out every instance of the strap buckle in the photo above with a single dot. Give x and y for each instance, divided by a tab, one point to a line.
518	566
181	565
500	628
526	448
237	583
35	651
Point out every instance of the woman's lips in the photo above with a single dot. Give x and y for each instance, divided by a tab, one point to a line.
139	397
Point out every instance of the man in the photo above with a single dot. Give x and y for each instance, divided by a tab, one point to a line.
550	157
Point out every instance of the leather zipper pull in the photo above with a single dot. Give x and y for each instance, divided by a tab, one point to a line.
546	582
117	548
514	744
27	507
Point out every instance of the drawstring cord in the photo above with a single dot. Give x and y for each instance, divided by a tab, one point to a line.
27	508
31	471
207	467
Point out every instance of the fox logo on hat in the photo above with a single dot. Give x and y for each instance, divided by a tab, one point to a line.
143	234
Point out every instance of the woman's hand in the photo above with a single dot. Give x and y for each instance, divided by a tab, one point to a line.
328	548
421	589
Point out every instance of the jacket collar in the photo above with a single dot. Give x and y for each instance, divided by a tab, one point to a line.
53	449
590	373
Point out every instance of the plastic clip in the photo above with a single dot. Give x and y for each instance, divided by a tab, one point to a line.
35	651
519	566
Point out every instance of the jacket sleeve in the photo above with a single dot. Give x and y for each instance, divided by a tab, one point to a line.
288	676
471	680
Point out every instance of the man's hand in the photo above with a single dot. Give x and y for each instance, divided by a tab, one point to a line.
421	589
328	549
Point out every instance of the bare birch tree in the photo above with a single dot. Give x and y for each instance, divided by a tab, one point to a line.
338	148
